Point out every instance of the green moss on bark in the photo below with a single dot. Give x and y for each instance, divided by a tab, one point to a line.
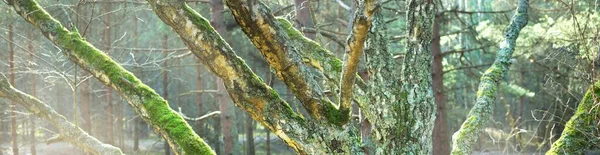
146	102
581	132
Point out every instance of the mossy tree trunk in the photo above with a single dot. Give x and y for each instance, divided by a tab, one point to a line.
300	63
480	114
582	131
144	100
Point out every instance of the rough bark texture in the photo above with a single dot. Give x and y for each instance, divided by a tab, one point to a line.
479	116
146	102
441	142
354	49
582	131
246	89
275	44
68	131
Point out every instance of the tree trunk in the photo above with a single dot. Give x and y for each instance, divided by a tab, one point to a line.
33	93
304	17
165	82
441	144
581	131
68	131
476	121
200	123
138	70
225	106
13	114
109	102
146	102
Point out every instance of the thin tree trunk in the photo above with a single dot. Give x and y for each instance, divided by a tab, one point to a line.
138	71
250	135
107	44
304	17
33	93
165	82
225	106
13	114
270	83
200	123
464	139
441	144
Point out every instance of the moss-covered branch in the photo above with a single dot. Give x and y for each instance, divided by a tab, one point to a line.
582	132
274	43
480	114
68	131
144	100
246	89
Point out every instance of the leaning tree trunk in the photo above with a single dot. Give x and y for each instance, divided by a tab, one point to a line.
476	121
582	130
145	101
67	131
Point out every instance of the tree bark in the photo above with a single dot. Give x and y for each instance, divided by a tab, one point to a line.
480	114
441	144
165	82
13	115
68	131
229	130
582	130
33	94
146	102
109	102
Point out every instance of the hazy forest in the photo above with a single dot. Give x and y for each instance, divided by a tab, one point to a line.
249	77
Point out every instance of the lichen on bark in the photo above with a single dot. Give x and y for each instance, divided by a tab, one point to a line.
247	90
582	131
479	116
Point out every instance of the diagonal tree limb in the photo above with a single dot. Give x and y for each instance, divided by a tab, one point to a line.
479	116
68	131
356	41
144	100
246	89
269	36
582	130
